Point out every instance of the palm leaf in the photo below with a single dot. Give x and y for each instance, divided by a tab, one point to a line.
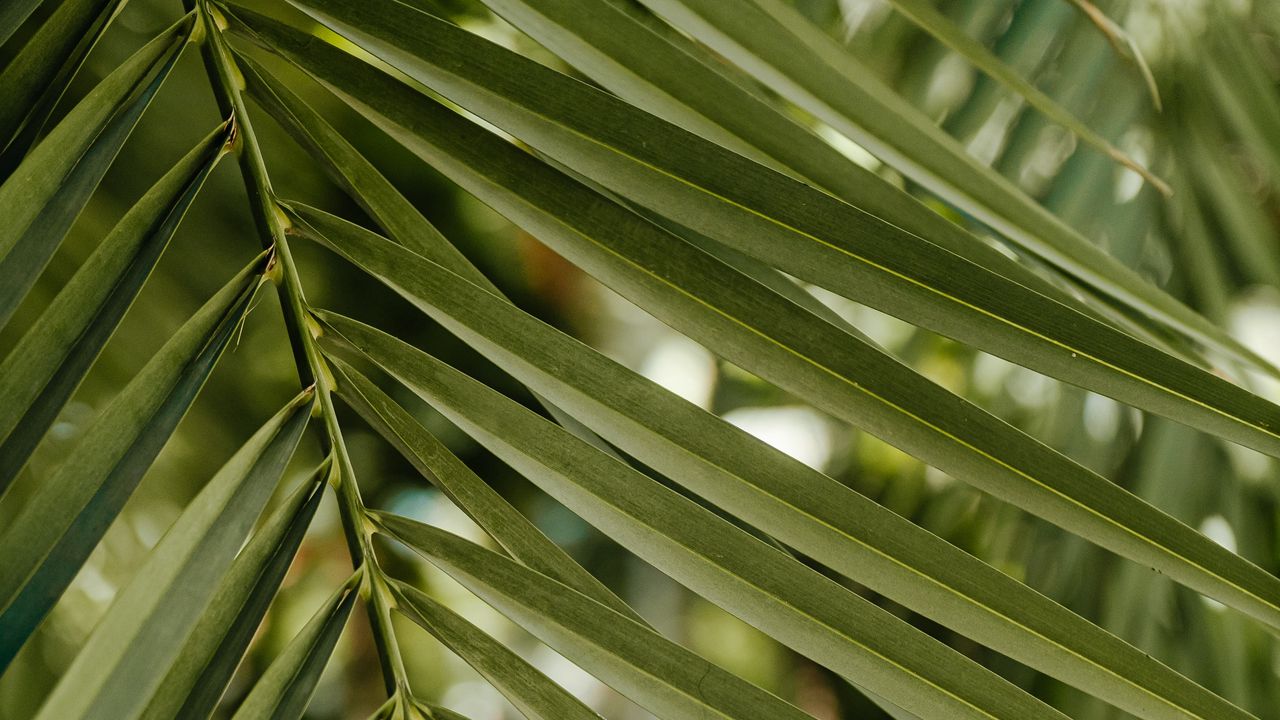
703	177
533	694
785	51
787	225
12	15
194	683
32	82
127	655
59	525
471	494
46	366
833	371
654	672
759	485
285	689
45	194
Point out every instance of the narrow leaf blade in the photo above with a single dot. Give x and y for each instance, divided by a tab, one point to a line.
47	364
763	487
45	194
533	693
285	690
473	496
127	655
766	588
194	684
57	528
656	673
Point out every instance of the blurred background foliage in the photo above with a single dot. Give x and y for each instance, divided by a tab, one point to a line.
1213	244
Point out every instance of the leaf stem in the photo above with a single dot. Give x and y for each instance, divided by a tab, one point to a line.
273	228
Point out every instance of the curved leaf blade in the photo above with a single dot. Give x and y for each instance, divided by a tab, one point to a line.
799	506
59	525
771	591
370	189
352	171
468	491
196	682
656	673
834	371
285	689
127	655
12	15
46	366
33	81
533	694
778	46
786	224
45	194
612	42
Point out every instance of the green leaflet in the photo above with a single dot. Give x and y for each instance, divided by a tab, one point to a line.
45	194
624	49
369	189
285	689
766	588
786	52
28	189
670	681
755	329
803	232
407	226
355	174
142	634
32	82
655	68
471	494
13	14
611	41
59	525
196	681
924	14
533	694
46	366
799	506
748	116
710	104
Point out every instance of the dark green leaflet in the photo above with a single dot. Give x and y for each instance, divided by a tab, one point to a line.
195	683
46	366
285	690
779	46
13	14
739	474
473	496
45	194
768	589
32	82
659	675
783	223
146	628
64	519
533	694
